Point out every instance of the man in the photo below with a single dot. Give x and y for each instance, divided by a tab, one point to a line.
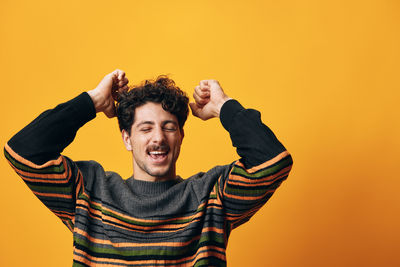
154	218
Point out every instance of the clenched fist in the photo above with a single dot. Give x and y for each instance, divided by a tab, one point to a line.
104	95
209	98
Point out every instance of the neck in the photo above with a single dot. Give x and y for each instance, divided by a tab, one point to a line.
150	178
151	175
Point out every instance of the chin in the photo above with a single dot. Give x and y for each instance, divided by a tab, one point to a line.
160	173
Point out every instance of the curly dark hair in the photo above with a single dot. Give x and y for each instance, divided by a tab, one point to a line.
162	90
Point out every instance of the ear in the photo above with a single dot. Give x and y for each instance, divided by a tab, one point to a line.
127	140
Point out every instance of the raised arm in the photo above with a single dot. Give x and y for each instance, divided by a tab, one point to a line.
34	152
264	162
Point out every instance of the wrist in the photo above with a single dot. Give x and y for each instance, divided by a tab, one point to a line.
228	111
97	100
221	103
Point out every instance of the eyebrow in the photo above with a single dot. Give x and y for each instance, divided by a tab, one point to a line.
152	123
144	122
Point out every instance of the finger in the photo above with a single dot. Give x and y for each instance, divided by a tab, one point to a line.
123	82
121	75
195	109
204	84
201	101
124	88
197	89
126	81
115	73
110	111
114	77
202	92
197	99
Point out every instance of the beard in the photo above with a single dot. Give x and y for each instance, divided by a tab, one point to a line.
147	167
155	172
158	172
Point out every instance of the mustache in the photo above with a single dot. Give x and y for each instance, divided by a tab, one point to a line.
162	147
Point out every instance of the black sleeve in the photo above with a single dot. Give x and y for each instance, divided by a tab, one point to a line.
254	141
263	165
47	136
34	154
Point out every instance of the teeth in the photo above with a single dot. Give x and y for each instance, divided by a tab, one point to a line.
157	152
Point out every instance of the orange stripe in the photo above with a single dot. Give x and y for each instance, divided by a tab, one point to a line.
158	221
125	244
52	195
154	262
66	212
137	227
248	198
29	163
251	182
61	215
69	227
214	201
265	164
79	184
212	229
252	211
162	226
82	202
131	227
63	177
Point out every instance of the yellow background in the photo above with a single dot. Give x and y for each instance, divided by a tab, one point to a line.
324	74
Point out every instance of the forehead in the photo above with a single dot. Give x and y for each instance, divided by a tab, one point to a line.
152	112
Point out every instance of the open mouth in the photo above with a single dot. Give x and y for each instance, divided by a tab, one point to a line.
158	156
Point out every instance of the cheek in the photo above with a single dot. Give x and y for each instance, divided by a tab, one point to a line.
139	143
177	145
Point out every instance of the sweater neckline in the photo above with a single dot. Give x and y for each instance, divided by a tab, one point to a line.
141	187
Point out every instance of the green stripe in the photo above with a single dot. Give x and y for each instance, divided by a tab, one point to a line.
77	264
210	262
51	189
282	164
134	222
214	196
58	169
68	220
148	251
247	192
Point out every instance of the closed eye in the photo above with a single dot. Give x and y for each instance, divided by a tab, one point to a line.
170	129
170	126
145	129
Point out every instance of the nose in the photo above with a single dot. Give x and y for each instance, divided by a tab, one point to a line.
158	136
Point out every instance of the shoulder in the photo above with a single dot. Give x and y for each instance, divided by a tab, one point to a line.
90	168
94	175
210	175
203	183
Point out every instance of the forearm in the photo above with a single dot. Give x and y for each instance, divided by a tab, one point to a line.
263	165
53	130
254	141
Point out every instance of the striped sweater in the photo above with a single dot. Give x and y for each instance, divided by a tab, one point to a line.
129	222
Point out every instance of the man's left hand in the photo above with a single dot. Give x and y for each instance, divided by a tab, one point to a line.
209	98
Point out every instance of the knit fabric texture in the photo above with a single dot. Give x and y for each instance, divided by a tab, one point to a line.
129	222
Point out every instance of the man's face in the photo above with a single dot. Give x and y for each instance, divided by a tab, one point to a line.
155	142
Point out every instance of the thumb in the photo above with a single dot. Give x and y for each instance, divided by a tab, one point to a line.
195	109
110	111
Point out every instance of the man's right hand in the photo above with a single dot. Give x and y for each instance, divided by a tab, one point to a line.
104	95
